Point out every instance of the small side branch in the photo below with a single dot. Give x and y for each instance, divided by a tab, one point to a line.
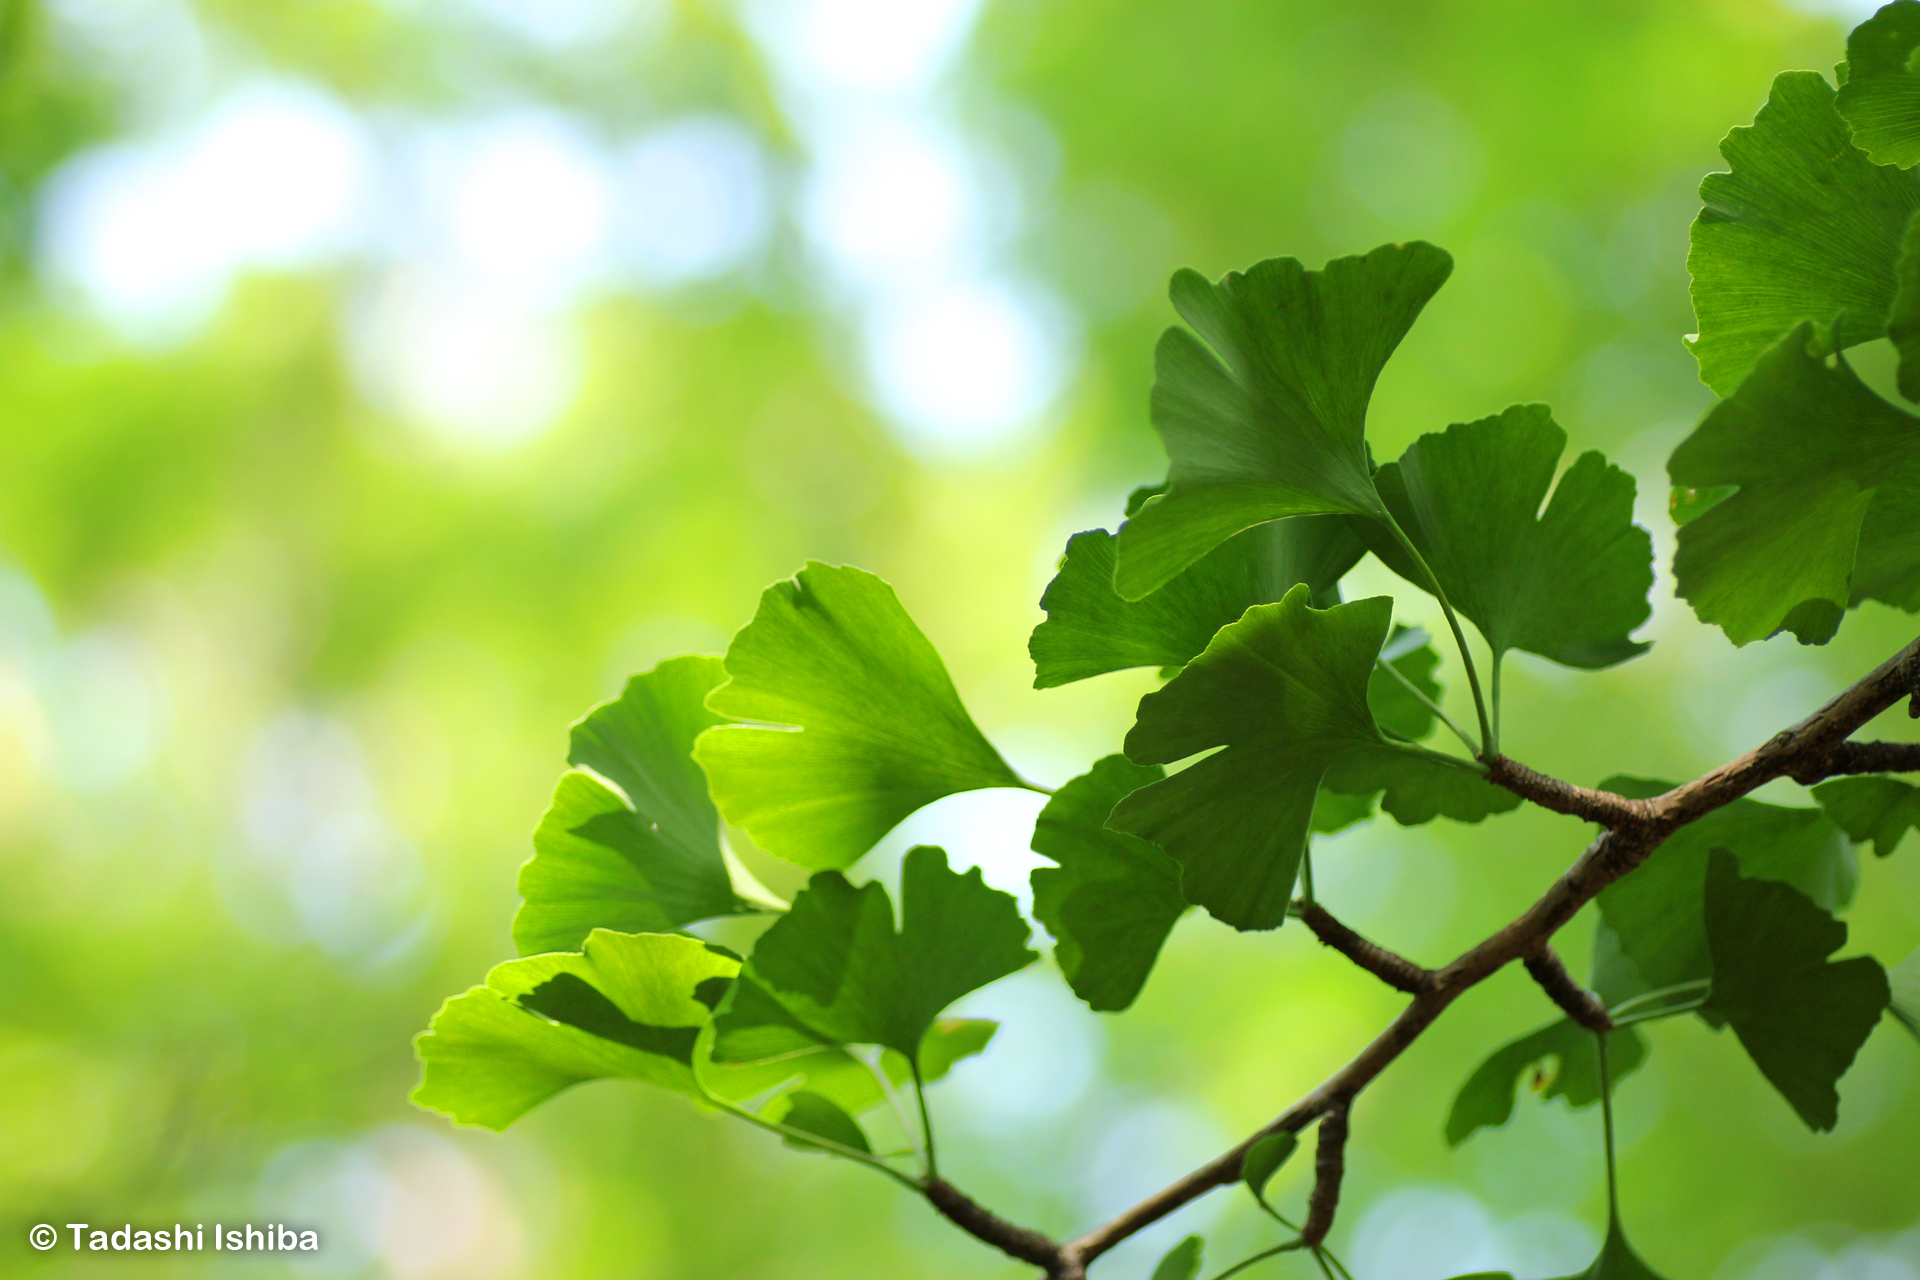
982	1223
1580	1004
1603	807
1329	1167
1872	757
1395	970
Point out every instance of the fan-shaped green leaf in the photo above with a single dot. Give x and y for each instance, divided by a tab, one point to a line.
1804	227
1182	1262
1566	579
1882	810
1652	922
1090	630
643	861
856	722
1113	898
1617	1260
834	970
629	1005
820	1116
1808	444
1881	97
1284	690
1264	1159
1270	422
1800	1017
1904	981
1485	1101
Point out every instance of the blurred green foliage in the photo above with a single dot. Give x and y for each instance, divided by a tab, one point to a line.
221	557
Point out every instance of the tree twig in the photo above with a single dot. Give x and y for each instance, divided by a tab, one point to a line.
1329	1167
1580	1004
1393	969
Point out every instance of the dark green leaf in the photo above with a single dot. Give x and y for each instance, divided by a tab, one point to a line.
1485	1101
1182	1262
834	969
1270	422
1904	981
857	723
1800	1018
1264	1159
627	1006
1617	1260
1566	579
644	861
1090	630
1114	897
950	1040
1284	690
1886	566
1652	931
1882	810
1805	227
820	1116
1808	444
1881	97
1395	708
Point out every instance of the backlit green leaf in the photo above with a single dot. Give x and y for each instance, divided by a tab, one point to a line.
1804	228
1262	405
1881	97
1113	898
1904	981
1564	1060
1182	1262
1264	1159
1090	630
644	861
1882	810
1800	1017
952	1040
1284	690
628	1006
835	970
1808	444
820	1116
856	722
1566	579
1652	922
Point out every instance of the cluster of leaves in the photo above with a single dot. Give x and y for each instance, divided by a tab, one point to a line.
1286	712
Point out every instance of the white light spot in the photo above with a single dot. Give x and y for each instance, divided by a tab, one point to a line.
693	200
878	47
890	205
1042	1060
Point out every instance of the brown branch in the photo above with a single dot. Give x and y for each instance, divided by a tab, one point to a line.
1393	969
1329	1167
982	1223
1579	1003
1874	757
1815	748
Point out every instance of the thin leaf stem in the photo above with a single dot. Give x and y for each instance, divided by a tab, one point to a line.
1698	984
1306	875
879	1068
1289	1247
1334	1258
1488	732
1429	704
814	1140
1654	1015
1606	1115
1034	786
926	1123
1471	766
1496	660
1320	1256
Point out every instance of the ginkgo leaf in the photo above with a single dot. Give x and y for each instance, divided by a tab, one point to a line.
1808	444
1617	1260
1113	898
835	969
1886	565
1182	1262
856	723
1654	919
644	858
1880	100
1284	690
1882	810
628	1005
1566	579
1485	1101
1800	1017
1262	406
1804	228
1264	1159
1904	981
1090	630
820	1116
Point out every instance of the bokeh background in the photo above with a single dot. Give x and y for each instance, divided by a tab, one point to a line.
382	381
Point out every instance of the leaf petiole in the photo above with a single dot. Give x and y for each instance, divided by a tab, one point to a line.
1654	1015
811	1139
1429	703
1698	984
1489	732
926	1123
1289	1247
